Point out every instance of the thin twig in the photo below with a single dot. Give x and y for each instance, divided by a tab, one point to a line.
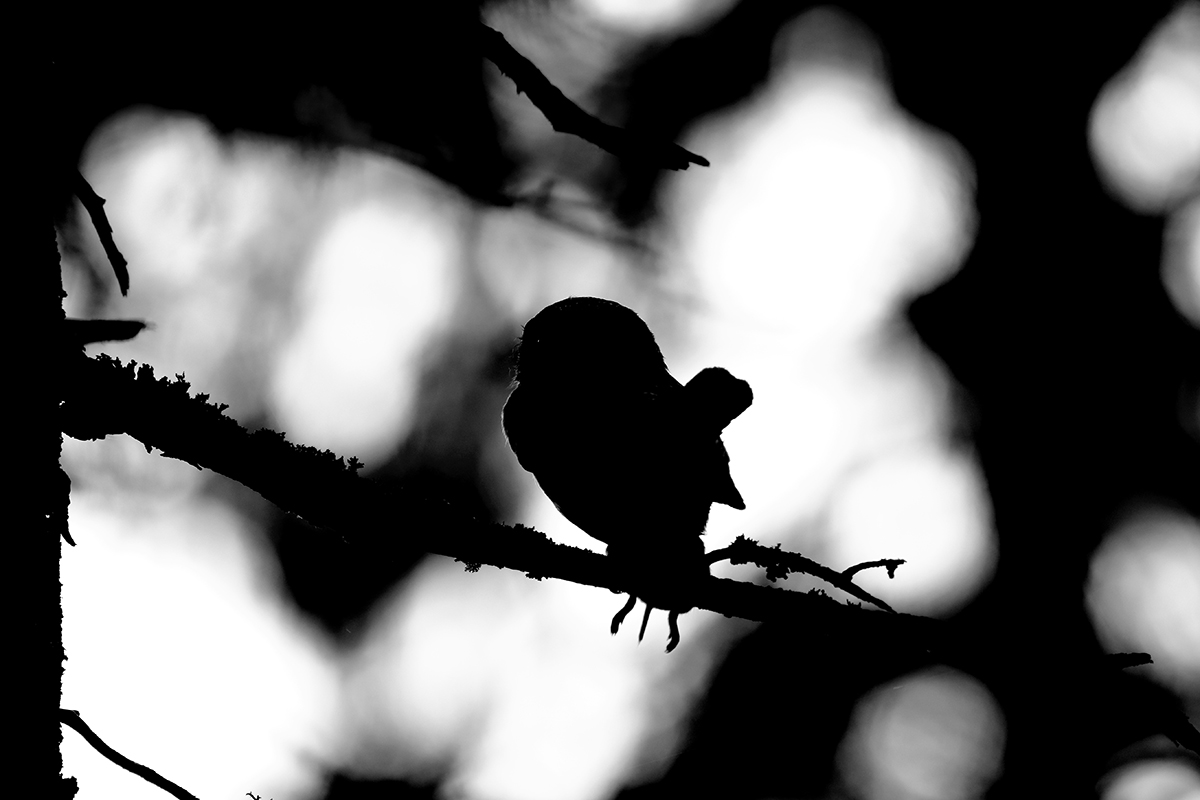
72	720
779	563
566	117
94	204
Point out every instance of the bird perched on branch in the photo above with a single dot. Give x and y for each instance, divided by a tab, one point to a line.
626	452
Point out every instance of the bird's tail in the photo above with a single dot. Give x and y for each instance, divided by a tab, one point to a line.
717	397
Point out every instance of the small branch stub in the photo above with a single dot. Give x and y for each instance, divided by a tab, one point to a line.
94	205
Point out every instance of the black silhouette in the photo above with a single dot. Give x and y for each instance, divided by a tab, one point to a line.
626	452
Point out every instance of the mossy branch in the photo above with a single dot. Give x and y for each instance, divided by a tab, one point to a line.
104	396
108	397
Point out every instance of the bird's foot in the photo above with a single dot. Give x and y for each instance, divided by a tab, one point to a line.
673	622
619	617
645	619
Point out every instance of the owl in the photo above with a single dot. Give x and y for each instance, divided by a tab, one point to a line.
627	453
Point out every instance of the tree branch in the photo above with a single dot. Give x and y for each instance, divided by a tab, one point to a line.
104	396
779	563
72	720
108	397
94	204
566	117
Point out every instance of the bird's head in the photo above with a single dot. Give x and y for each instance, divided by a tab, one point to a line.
583	337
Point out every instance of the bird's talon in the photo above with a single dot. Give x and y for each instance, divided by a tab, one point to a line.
673	623
619	617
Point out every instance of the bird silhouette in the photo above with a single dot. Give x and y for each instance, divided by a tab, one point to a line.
626	453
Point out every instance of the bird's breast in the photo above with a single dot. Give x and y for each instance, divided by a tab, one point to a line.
617	466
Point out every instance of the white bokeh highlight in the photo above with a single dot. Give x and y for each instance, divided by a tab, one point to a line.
1143	592
917	501
208	227
933	735
826	209
510	686
1145	126
653	17
829	206
378	288
183	657
1181	262
1152	780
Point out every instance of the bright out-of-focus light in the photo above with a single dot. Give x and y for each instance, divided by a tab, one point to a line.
829	208
182	657
935	735
202	223
527	262
1152	780
1143	591
826	208
816	417
514	688
653	16
922	504
1181	261
120	466
378	288
173	195
1145	126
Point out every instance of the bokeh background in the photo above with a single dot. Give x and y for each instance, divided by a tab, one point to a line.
955	254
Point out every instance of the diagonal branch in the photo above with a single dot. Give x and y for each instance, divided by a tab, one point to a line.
72	720
566	117
94	204
107	397
104	396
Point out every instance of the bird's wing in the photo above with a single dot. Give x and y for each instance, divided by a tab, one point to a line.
622	465
523	430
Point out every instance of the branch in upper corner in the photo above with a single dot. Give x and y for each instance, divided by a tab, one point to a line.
566	117
779	563
94	204
72	720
